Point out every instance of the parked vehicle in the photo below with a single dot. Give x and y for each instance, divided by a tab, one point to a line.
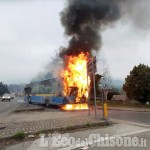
6	97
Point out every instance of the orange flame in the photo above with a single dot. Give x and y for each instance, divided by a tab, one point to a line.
75	75
82	106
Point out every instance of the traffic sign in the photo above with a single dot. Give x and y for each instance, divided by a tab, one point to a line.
91	66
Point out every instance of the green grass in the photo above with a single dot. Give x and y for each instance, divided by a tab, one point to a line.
69	128
19	135
42	132
88	125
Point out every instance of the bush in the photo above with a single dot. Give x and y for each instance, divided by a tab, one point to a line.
111	94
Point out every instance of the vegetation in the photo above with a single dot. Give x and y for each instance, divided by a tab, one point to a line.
97	85
137	84
106	81
19	135
3	89
41	131
88	125
111	94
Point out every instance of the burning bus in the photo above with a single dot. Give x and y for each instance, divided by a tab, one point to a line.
49	92
83	20
70	91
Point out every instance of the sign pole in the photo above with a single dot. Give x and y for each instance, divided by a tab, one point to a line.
88	94
91	69
94	88
103	102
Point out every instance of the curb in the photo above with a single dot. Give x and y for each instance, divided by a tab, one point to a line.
130	123
68	128
25	108
127	109
29	109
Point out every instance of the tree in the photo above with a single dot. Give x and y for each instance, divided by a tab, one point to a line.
137	84
97	83
3	89
106	81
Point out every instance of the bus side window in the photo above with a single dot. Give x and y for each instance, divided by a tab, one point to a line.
59	89
54	86
41	89
33	90
47	89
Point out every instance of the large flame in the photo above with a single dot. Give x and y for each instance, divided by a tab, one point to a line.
75	75
79	106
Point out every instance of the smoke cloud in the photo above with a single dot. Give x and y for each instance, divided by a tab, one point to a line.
52	69
82	20
135	11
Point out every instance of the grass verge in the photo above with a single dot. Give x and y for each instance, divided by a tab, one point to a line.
19	135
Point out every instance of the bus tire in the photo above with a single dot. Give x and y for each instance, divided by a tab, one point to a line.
47	102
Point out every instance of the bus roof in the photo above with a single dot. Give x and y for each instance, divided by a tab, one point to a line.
41	81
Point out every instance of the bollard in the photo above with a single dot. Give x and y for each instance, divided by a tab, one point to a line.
105	111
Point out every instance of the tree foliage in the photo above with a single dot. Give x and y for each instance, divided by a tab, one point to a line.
3	89
137	84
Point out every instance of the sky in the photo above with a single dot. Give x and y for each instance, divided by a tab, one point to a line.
31	33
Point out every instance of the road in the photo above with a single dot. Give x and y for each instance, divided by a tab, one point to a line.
123	129
124	115
143	135
136	118
6	106
94	138
132	116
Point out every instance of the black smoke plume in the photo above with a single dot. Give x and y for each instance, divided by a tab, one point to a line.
136	12
82	20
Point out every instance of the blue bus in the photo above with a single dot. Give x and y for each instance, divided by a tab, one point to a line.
49	92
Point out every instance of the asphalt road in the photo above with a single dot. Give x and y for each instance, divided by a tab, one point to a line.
144	146
132	116
6	106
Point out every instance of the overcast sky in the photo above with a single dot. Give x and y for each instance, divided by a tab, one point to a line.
31	33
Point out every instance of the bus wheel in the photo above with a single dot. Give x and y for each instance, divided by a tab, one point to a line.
47	102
